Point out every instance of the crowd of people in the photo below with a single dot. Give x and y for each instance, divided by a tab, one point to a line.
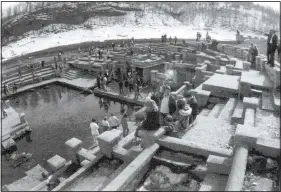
108	124
164	110
126	82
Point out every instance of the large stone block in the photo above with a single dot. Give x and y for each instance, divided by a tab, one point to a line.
251	102
219	165
73	145
246	134
108	140
269	148
229	69
56	162
148	138
246	66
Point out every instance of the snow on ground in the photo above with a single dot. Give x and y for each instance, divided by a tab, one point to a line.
147	26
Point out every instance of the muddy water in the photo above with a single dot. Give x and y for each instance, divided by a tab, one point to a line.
55	115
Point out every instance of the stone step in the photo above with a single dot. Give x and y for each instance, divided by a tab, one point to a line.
214	182
267	102
24	73
237	116
216	110
28	76
228	109
84	154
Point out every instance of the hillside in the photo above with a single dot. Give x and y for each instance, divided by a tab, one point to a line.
61	23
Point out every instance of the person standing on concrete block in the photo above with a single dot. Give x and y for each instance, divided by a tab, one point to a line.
105	124
272	40
6	89
254	54
124	123
95	131
121	90
137	91
113	46
250	52
175	39
27	135
113	121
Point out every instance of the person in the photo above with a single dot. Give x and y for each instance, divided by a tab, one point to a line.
182	114
104	82
95	131
238	32
162	38
175	39
52	182
113	121
56	64
255	53
120	83
272	40
28	134
250	52
199	35
6	89
170	39
113	46
124	123
170	127
99	81
15	87
60	67
191	100
130	83
137	91
165	38
151	121
105	124
100	55
106	73
42	64
19	72
167	103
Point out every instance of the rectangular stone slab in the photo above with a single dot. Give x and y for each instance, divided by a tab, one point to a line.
56	162
36	172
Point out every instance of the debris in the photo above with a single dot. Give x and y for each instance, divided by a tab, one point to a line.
270	164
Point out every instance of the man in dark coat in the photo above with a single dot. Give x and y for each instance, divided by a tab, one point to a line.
272	40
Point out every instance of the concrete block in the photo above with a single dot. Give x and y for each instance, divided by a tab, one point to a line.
139	164
237	116
264	184
249	117
200	171
229	69
246	66
213	182
246	134
250	102
121	153
8	144
269	148
36	172
245	89
84	154
84	163
219	165
56	162
150	137
73	143
108	140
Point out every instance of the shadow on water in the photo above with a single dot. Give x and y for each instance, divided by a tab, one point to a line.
56	114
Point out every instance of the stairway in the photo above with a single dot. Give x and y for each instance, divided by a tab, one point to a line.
70	74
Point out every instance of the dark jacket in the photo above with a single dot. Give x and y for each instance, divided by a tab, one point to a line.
152	121
274	40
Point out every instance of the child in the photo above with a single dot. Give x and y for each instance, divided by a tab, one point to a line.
170	127
183	113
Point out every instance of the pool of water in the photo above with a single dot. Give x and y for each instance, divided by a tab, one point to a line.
55	115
